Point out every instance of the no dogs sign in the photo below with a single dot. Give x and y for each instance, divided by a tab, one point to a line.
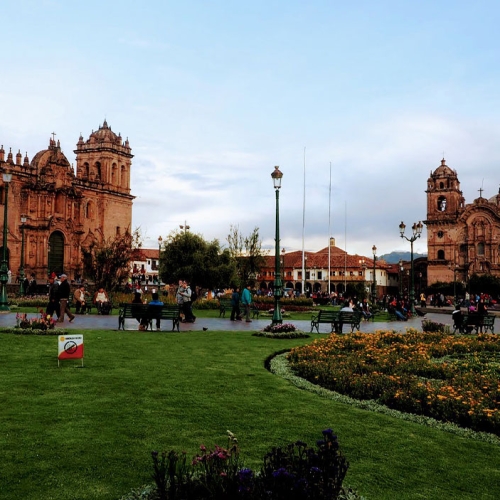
70	347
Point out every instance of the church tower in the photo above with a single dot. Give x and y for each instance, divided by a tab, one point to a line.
445	203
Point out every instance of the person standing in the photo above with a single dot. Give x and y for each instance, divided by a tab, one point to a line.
235	305
246	300
186	304
64	291
53	305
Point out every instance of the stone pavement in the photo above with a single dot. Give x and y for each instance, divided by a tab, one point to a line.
94	322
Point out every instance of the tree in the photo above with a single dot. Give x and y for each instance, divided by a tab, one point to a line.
485	283
189	257
246	253
107	263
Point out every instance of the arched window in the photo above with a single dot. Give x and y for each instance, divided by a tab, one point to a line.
86	170
480	248
441	185
440	254
89	210
98	173
441	204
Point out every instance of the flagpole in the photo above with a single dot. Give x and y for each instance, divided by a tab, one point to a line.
329	229
303	227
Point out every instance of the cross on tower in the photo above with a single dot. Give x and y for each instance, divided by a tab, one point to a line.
53	136
480	192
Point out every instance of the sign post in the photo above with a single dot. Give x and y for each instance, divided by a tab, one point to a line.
70	347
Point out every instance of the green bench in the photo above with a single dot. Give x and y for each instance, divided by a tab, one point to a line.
149	312
337	319
475	322
224	305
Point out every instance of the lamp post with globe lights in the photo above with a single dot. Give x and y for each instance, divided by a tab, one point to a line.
416	232
278	284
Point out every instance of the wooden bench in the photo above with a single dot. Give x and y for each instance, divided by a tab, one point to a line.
328	317
350	318
337	319
149	312
475	322
224	305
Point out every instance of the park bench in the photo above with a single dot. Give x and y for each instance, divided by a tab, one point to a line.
337	319
475	322
88	302
149	312
224	305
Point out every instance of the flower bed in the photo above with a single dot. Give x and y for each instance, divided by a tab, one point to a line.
293	471
41	322
449	378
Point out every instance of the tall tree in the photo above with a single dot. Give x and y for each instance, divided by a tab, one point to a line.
107	263
188	256
246	252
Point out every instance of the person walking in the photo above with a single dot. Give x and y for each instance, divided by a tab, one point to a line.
64	291
246	300
53	305
235	305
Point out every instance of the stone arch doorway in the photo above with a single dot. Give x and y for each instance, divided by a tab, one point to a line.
56	253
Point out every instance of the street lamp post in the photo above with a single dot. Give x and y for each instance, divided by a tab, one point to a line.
401	270
278	284
21	269
455	269
417	231
374	285
160	240
185	227
4	269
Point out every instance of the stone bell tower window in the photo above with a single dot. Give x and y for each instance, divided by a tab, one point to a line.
441	204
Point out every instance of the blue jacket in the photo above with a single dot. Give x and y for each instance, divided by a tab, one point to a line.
246	297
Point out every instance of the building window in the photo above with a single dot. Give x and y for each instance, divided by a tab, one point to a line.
320	275
360	273
441	204
480	248
440	254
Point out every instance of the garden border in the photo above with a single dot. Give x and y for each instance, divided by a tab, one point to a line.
278	365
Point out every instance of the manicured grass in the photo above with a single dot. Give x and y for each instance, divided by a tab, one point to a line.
87	433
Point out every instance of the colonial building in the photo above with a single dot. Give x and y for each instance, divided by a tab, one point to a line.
344	270
462	239
65	210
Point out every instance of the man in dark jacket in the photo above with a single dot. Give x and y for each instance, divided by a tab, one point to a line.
53	305
64	290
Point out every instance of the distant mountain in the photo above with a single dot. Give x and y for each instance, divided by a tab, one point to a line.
395	257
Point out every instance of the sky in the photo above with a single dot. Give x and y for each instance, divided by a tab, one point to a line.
356	102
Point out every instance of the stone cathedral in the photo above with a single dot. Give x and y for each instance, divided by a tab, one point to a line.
462	239
65	210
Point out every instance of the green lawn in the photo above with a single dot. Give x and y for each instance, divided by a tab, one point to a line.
87	433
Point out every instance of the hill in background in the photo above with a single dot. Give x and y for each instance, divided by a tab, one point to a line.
395	257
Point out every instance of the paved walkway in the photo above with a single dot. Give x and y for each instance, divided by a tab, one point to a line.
94	322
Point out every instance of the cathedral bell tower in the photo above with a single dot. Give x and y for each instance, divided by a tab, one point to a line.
445	203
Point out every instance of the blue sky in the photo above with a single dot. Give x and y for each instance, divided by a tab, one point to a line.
213	94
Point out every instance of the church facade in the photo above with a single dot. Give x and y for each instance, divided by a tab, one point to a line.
65	210
462	239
